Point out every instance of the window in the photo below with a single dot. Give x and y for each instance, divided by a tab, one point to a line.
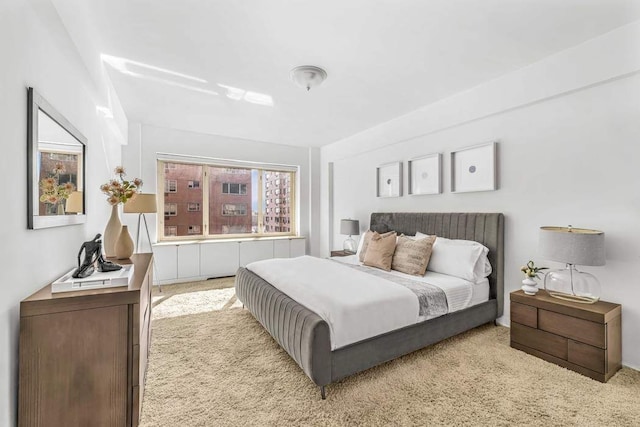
223	200
234	188
171	186
234	210
170	209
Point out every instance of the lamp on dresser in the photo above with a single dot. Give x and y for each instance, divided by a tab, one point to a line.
572	246
349	227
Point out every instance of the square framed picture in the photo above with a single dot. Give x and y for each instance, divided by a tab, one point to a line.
474	169
425	174
389	180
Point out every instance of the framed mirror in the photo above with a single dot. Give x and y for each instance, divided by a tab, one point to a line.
55	167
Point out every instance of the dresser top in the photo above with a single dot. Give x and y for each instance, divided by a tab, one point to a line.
43	298
600	311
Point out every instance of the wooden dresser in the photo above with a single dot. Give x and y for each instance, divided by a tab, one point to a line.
83	355
585	338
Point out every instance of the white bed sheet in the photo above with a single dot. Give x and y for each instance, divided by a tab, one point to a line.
460	293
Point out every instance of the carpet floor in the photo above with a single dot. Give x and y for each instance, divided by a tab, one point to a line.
212	364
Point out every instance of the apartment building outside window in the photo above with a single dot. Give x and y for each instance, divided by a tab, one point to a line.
211	201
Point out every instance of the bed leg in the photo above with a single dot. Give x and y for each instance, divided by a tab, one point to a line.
323	393
243	306
495	322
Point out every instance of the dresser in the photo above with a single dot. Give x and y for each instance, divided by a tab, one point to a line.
585	338
83	355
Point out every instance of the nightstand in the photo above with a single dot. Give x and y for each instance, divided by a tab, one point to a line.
342	253
585	338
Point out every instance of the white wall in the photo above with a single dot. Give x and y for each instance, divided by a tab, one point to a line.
568	133
36	51
145	141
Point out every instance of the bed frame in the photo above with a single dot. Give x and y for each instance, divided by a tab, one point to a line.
305	335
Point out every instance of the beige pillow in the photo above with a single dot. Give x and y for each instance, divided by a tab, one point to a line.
380	250
365	242
412	256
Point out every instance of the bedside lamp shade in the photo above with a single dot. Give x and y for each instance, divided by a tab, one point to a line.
141	203
350	227
75	202
572	246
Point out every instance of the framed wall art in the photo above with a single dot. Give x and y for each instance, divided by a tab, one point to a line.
474	169
389	180
425	176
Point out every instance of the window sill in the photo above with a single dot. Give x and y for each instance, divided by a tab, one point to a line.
212	241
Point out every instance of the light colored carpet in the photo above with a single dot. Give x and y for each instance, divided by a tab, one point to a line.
219	368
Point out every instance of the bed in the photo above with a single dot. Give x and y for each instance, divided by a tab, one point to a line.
305	336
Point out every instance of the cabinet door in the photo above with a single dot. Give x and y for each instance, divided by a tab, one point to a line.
281	248
188	261
166	260
297	247
73	368
255	251
219	259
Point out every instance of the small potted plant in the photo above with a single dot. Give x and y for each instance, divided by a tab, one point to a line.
531	272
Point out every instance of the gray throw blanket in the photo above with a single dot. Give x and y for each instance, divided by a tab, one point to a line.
432	299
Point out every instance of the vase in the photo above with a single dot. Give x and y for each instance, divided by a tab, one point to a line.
124	244
529	286
112	232
60	209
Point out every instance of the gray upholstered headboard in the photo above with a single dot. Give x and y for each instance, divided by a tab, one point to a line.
486	228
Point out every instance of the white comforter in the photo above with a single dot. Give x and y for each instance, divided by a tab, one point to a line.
356	305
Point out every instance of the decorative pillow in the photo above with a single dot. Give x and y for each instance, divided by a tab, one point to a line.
366	238
412	256
420	235
380	250
460	258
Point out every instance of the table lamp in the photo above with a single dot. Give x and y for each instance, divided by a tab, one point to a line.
572	246
350	227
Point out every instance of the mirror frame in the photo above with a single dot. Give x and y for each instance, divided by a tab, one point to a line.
36	103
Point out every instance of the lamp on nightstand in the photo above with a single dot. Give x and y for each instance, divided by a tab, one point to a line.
352	228
572	246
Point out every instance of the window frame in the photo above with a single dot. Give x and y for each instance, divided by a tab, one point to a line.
293	208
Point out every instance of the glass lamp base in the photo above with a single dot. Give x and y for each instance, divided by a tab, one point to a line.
570	284
349	245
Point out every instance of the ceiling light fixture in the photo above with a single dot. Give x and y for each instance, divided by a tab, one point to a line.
308	76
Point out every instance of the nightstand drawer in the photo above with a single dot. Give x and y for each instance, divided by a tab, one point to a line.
590	357
539	340
571	327
524	314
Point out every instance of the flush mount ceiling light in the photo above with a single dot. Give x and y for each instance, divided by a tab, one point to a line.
308	76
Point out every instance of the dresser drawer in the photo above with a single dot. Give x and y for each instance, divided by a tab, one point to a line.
586	355
524	314
539	340
571	327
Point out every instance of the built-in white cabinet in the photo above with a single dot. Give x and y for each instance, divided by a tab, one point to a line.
281	248
182	262
255	251
165	261
297	248
188	261
219	259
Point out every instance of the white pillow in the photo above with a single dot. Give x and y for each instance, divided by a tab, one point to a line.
460	258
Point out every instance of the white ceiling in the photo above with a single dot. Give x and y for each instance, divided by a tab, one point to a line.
168	59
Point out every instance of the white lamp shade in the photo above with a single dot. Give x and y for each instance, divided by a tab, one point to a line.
75	202
141	203
577	246
350	227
